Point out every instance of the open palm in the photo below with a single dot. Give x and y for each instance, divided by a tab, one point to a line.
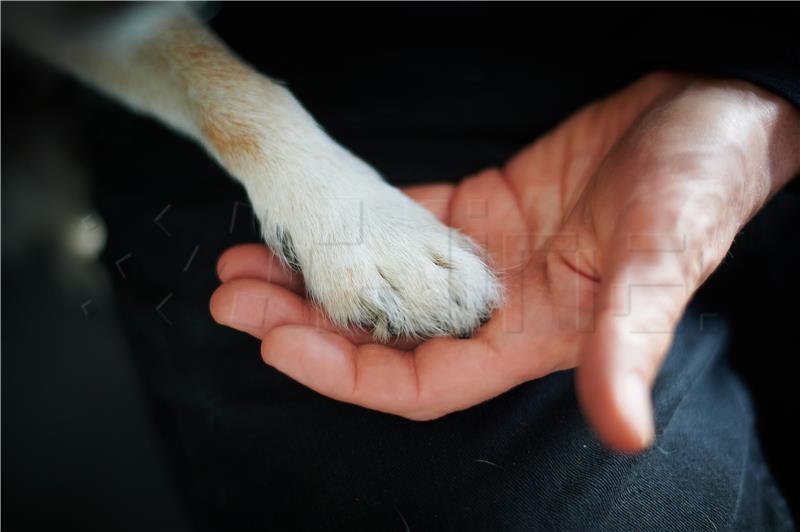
600	231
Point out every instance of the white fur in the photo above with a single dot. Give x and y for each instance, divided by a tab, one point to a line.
369	255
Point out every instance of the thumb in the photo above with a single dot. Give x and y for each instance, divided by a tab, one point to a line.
642	296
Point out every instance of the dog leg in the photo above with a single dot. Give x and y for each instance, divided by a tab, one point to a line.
369	255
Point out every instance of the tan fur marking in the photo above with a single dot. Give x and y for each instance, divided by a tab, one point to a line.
232	140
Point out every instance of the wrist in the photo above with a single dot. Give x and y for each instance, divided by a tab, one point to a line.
768	125
781	120
760	134
765	137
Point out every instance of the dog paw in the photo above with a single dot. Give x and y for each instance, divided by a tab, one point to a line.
369	255
384	263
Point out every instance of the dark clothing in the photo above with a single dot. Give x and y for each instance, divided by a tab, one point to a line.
436	92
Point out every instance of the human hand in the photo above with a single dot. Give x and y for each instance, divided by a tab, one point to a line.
601	230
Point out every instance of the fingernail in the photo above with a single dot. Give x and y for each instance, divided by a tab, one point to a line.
635	405
220	269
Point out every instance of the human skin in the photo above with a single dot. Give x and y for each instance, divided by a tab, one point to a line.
601	230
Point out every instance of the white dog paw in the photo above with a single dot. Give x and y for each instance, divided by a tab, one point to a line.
384	263
370	256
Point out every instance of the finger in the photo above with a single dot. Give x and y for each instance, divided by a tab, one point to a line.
256	307
435	198
641	301
440	376
256	261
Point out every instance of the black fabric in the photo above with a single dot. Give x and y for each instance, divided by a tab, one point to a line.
435	92
747	42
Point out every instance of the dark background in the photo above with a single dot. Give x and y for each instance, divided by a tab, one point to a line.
133	412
